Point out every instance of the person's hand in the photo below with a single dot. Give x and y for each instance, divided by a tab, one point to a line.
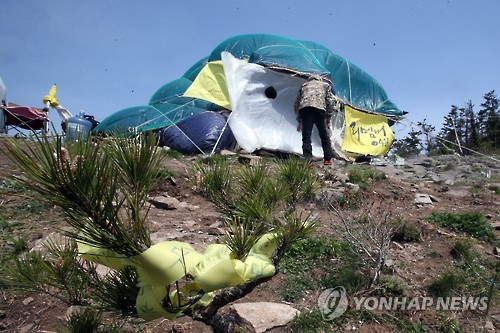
299	127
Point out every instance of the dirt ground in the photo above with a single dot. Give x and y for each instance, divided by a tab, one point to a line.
191	218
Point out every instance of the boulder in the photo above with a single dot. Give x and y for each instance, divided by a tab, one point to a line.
262	316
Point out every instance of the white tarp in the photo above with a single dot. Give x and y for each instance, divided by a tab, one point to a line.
260	122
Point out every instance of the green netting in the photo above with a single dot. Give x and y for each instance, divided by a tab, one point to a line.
351	83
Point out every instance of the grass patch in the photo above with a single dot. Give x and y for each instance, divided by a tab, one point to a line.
447	284
310	253
494	188
463	250
294	287
318	264
364	176
348	275
406	232
471	223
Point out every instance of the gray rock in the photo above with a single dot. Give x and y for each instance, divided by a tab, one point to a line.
422	198
171	203
262	316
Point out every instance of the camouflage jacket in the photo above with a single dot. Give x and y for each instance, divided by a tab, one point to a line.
317	94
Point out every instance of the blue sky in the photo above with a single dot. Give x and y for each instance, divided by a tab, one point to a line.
109	55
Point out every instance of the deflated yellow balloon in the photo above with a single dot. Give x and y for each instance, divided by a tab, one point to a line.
165	263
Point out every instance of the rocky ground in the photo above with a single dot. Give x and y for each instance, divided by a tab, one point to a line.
416	187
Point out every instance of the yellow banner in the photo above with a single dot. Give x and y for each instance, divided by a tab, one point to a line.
210	85
365	133
165	264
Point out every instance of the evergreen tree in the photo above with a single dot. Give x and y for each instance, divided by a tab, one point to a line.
426	130
449	133
409	146
490	121
472	139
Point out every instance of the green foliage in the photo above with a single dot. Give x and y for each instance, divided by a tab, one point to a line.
215	181
241	235
363	176
295	174
88	320
311	253
32	204
256	199
472	223
463	250
84	321
172	153
494	188
95	183
392	286
60	273
349	275
118	291
450	282
317	255
18	244
409	146
294	287
406	232
311	322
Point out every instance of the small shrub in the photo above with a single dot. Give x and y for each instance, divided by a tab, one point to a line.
296	175
88	320
494	188
18	243
84	321
445	285
307	254
471	223
347	275
311	322
364	176
463	250
393	287
407	232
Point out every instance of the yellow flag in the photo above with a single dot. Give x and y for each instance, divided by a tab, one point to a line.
51	97
210	85
366	133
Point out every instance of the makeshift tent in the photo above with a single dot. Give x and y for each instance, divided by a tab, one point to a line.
257	77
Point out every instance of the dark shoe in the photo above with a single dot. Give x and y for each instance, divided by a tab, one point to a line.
327	162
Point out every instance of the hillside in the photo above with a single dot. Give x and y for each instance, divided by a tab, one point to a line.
411	191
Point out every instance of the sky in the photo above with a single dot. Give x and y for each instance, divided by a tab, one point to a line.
107	55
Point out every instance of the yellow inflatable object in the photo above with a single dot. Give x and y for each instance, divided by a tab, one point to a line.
166	263
51	97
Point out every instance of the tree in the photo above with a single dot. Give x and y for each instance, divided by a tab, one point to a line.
426	130
489	119
409	146
103	192
449	134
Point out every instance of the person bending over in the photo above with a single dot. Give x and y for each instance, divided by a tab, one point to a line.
314	106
